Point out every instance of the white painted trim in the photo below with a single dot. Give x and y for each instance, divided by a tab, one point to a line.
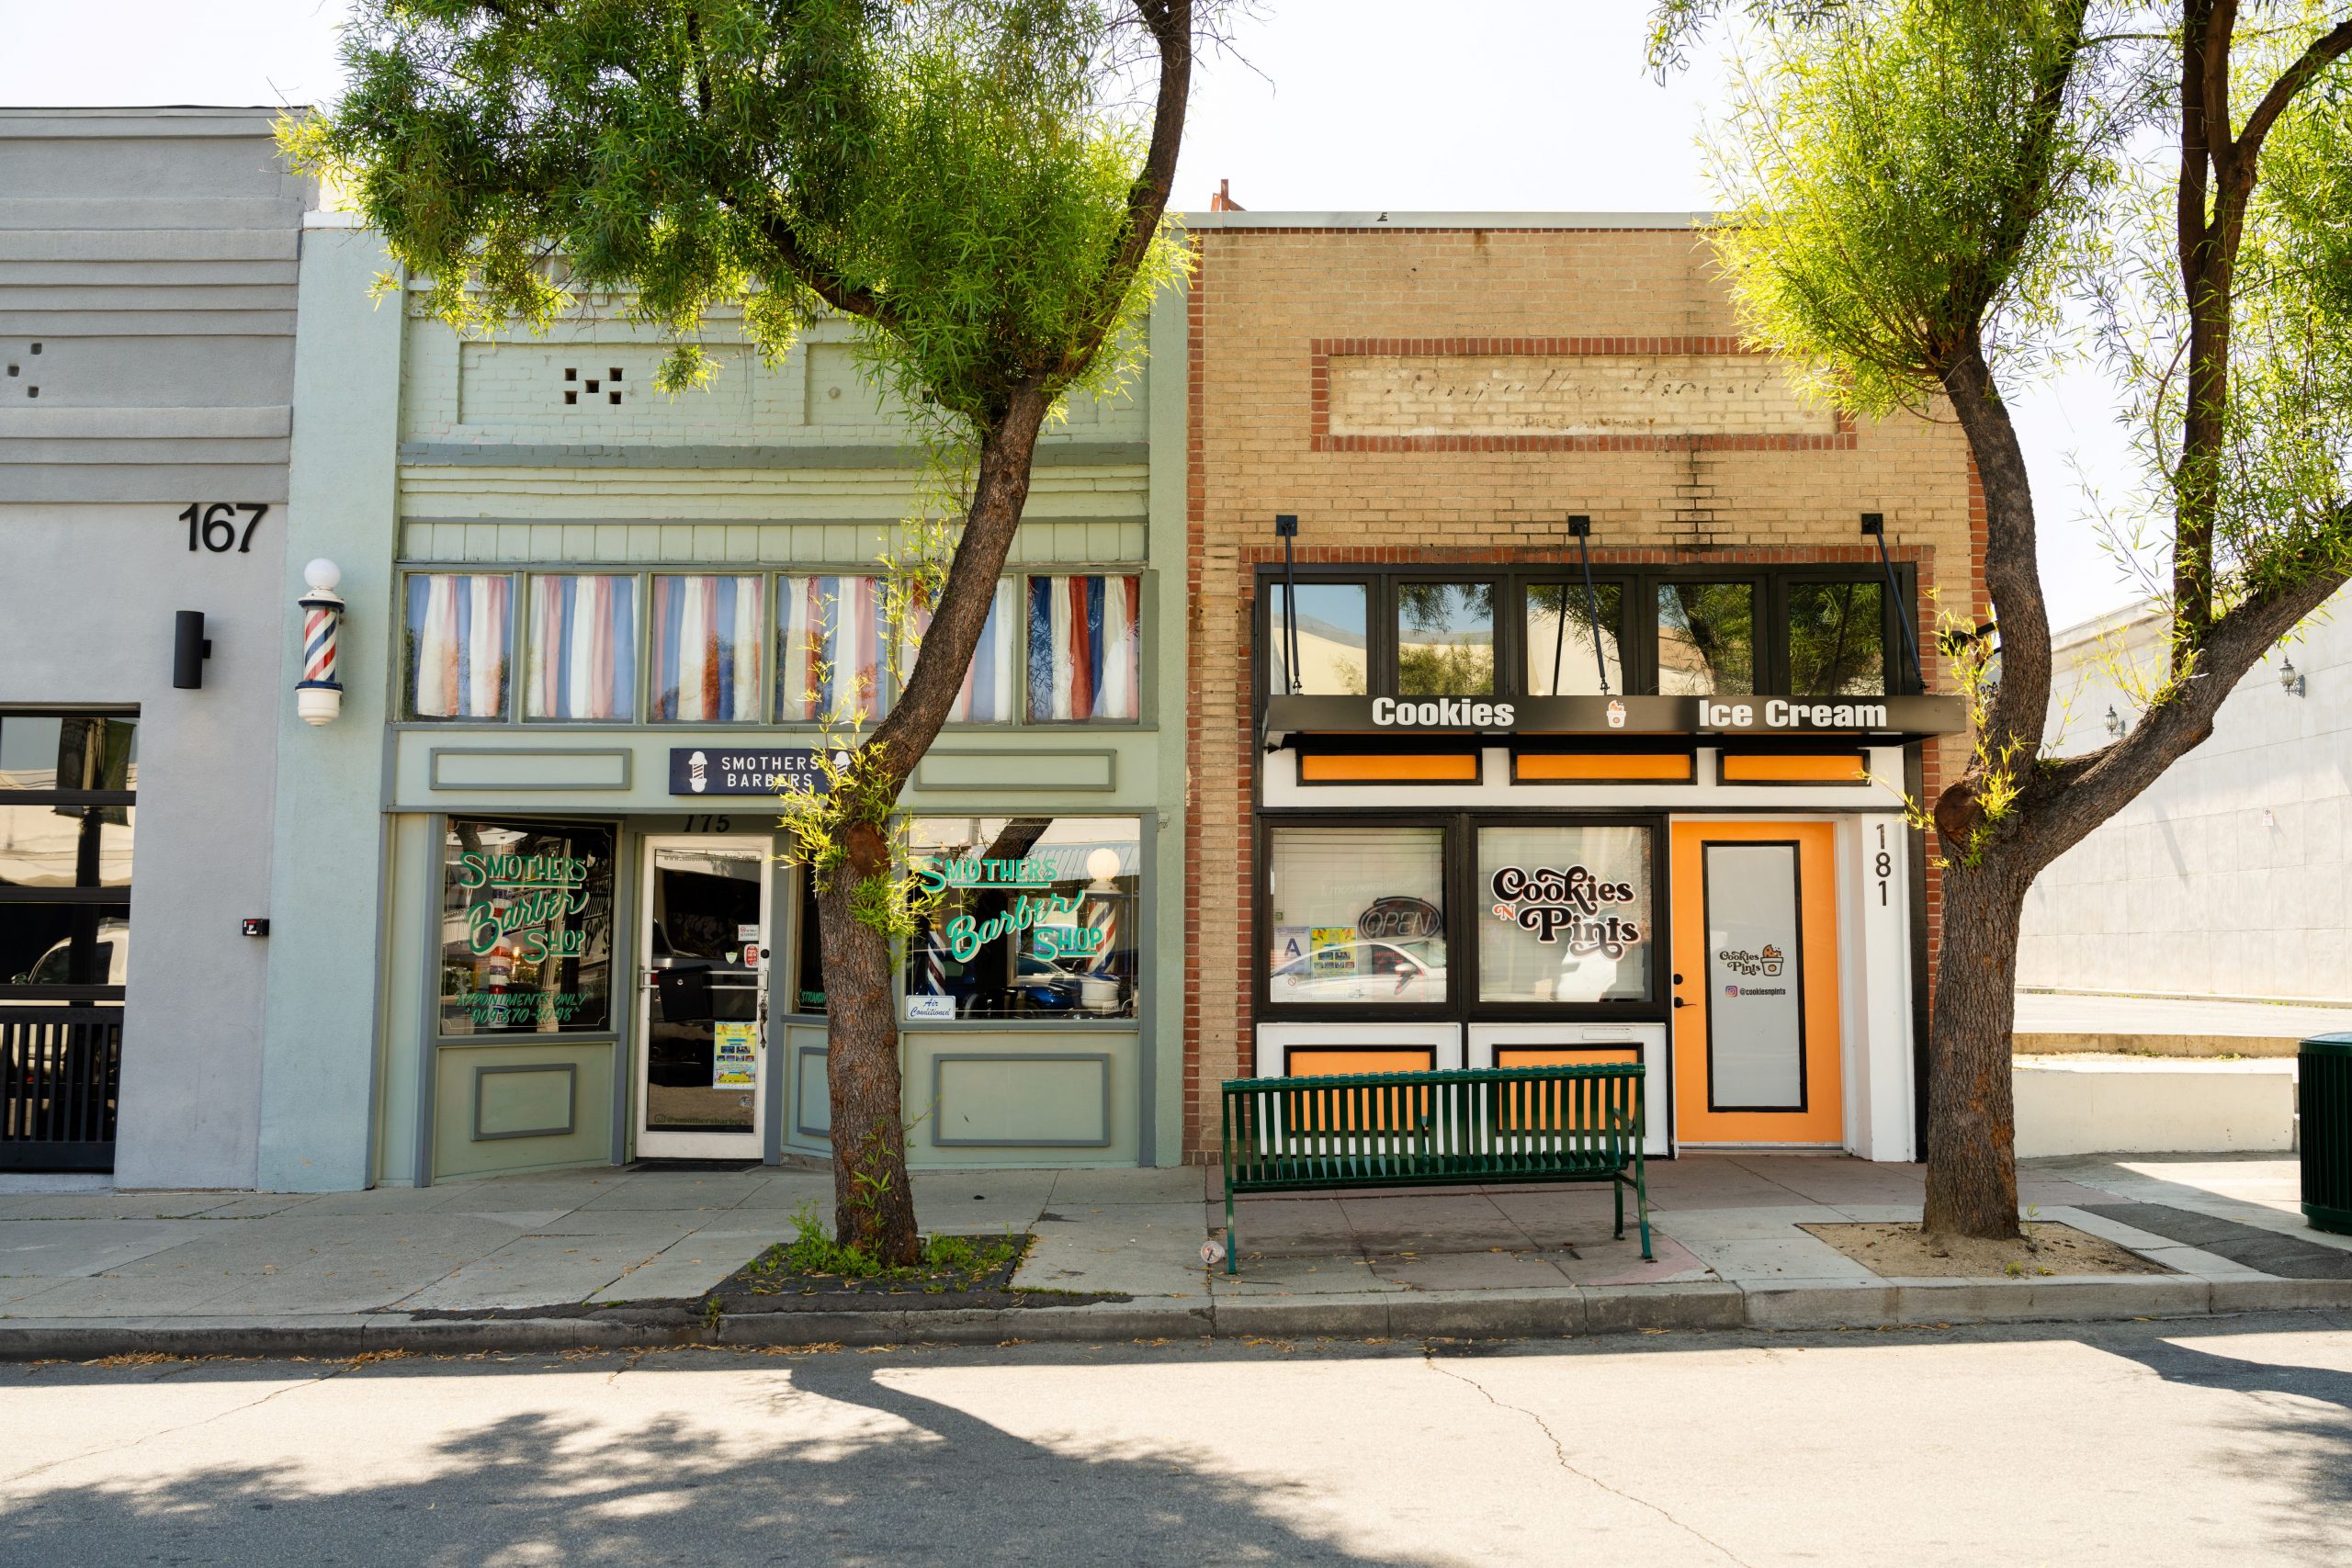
1273	1038
1278	786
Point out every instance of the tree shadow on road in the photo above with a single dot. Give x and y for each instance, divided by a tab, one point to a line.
872	1474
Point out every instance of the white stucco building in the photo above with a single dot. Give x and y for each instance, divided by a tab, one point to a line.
2232	875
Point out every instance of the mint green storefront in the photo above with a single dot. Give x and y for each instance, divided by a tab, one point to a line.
593	637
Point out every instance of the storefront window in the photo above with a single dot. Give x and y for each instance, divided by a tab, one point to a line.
526	928
1358	915
1085	639
1565	914
986	696
1706	638
1334	626
708	645
829	650
1562	627
66	866
1445	639
1037	917
454	662
580	659
1836	639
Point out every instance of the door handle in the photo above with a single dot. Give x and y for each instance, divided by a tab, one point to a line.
1681	1003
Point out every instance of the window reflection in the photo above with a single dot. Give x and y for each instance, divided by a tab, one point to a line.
1563	627
1358	915
1706	638
1836	639
1445	639
1333	629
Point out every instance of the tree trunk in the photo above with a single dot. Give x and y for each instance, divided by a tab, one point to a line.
1971	1117
873	1205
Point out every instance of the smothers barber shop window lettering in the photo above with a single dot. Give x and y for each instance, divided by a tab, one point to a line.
527	915
1028	917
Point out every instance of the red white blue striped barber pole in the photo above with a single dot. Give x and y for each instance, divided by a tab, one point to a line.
318	697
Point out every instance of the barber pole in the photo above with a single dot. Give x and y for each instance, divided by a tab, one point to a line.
934	963
318	697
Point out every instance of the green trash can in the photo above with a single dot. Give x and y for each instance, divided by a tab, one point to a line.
2323	1100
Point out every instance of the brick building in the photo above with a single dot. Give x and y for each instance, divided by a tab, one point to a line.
1477	801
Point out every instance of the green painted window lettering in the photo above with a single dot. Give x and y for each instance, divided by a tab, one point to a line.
526	932
1027	917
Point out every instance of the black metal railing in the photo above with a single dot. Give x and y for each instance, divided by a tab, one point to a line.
61	1068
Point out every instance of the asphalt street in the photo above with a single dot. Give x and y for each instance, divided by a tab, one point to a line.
2195	1441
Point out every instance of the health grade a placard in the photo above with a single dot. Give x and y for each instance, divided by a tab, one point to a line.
731	1063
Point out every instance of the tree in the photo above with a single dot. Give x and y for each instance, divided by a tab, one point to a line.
1920	191
978	185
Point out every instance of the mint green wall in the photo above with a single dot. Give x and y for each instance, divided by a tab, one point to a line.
320	1035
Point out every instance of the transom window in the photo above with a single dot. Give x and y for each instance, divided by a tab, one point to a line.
1541	632
755	648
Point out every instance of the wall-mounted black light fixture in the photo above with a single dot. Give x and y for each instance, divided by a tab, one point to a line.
190	649
1286	530
1874	528
1580	530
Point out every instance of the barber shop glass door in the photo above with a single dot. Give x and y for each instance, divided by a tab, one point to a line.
702	998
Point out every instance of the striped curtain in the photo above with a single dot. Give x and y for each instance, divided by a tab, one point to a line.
581	661
1085	638
709	650
457	638
986	693
828	653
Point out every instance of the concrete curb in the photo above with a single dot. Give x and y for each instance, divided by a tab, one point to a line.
1455	1314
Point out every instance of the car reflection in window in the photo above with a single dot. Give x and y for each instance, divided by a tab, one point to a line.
1359	972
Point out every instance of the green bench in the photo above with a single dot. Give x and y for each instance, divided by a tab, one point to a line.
1447	1129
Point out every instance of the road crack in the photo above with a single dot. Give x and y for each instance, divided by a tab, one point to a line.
1560	1457
183	1426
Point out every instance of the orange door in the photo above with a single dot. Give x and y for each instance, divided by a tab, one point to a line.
1755	984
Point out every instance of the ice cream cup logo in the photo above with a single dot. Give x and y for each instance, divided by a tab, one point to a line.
697	768
1616	714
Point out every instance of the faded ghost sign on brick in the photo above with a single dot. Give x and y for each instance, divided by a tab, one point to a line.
1568	395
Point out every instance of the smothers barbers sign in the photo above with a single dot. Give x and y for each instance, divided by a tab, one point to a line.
1891	717
729	770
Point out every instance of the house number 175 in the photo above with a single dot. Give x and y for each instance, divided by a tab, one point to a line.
214	527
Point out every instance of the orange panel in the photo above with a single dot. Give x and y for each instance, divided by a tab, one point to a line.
1822	1118
1323	1061
1765	767
1564	1055
1448	767
1536	767
1319	1112
1519	1101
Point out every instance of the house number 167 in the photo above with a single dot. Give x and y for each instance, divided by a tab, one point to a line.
214	527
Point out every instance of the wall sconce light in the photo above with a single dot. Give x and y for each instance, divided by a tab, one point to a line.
2290	680
2117	725
190	649
318	697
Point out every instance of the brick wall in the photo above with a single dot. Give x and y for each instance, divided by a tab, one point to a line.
1271	309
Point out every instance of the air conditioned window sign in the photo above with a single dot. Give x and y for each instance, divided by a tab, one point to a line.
1905	717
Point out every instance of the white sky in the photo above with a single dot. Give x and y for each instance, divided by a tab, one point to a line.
1343	106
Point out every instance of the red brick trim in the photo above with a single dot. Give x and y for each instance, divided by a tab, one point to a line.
1321	351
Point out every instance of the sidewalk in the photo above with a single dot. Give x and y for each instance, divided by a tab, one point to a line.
94	1273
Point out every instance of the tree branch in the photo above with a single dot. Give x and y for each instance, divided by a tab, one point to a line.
2324	50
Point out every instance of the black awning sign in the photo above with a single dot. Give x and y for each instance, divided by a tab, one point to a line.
1892	718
